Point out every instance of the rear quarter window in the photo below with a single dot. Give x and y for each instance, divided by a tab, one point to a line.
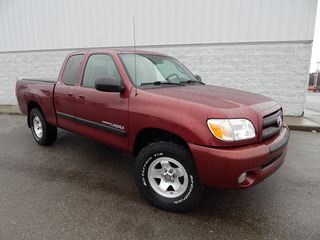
71	70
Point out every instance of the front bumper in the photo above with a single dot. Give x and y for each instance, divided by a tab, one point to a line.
221	167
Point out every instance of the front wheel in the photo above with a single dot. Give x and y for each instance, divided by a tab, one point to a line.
167	177
43	133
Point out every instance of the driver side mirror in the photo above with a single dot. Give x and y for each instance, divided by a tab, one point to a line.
109	84
198	78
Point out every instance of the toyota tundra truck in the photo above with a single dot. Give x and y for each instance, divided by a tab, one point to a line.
185	134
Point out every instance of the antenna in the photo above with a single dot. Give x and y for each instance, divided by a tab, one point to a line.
135	57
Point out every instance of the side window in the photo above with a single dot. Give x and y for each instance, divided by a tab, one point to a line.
99	65
71	70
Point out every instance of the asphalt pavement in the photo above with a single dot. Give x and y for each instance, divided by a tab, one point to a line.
81	189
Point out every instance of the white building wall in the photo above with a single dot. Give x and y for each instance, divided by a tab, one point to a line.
262	46
277	70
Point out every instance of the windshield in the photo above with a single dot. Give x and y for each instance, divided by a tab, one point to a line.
146	69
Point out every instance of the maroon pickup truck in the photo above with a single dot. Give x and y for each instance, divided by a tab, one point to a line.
185	134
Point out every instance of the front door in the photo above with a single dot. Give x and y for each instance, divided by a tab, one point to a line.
101	115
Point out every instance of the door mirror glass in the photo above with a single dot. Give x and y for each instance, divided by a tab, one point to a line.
198	78
109	84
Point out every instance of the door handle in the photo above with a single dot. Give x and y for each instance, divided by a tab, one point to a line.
69	94
81	96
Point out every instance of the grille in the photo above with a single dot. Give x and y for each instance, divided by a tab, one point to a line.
271	161
271	124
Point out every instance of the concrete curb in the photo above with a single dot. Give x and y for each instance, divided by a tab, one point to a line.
294	123
302	123
10	110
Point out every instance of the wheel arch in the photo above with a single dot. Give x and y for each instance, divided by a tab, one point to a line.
150	135
32	105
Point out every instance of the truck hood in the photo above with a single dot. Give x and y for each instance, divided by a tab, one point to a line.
233	103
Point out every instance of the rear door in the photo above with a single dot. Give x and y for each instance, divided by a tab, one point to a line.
101	115
64	92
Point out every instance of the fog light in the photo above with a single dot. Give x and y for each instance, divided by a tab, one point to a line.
242	177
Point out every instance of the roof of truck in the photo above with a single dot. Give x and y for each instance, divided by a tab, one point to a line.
119	50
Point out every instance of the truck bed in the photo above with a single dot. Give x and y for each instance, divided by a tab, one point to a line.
32	92
40	80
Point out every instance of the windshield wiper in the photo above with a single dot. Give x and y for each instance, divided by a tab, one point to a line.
161	83
193	81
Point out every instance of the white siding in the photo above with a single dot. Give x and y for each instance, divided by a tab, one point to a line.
65	24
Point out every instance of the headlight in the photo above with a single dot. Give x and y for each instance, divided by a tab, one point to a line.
231	129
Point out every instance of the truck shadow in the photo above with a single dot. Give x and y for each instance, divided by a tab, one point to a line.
93	166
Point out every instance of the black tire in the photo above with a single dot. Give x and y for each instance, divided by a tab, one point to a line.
43	133
166	175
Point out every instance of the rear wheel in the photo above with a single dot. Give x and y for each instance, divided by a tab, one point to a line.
166	176
43	133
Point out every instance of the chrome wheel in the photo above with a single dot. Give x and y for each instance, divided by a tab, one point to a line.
37	127
43	133
168	177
